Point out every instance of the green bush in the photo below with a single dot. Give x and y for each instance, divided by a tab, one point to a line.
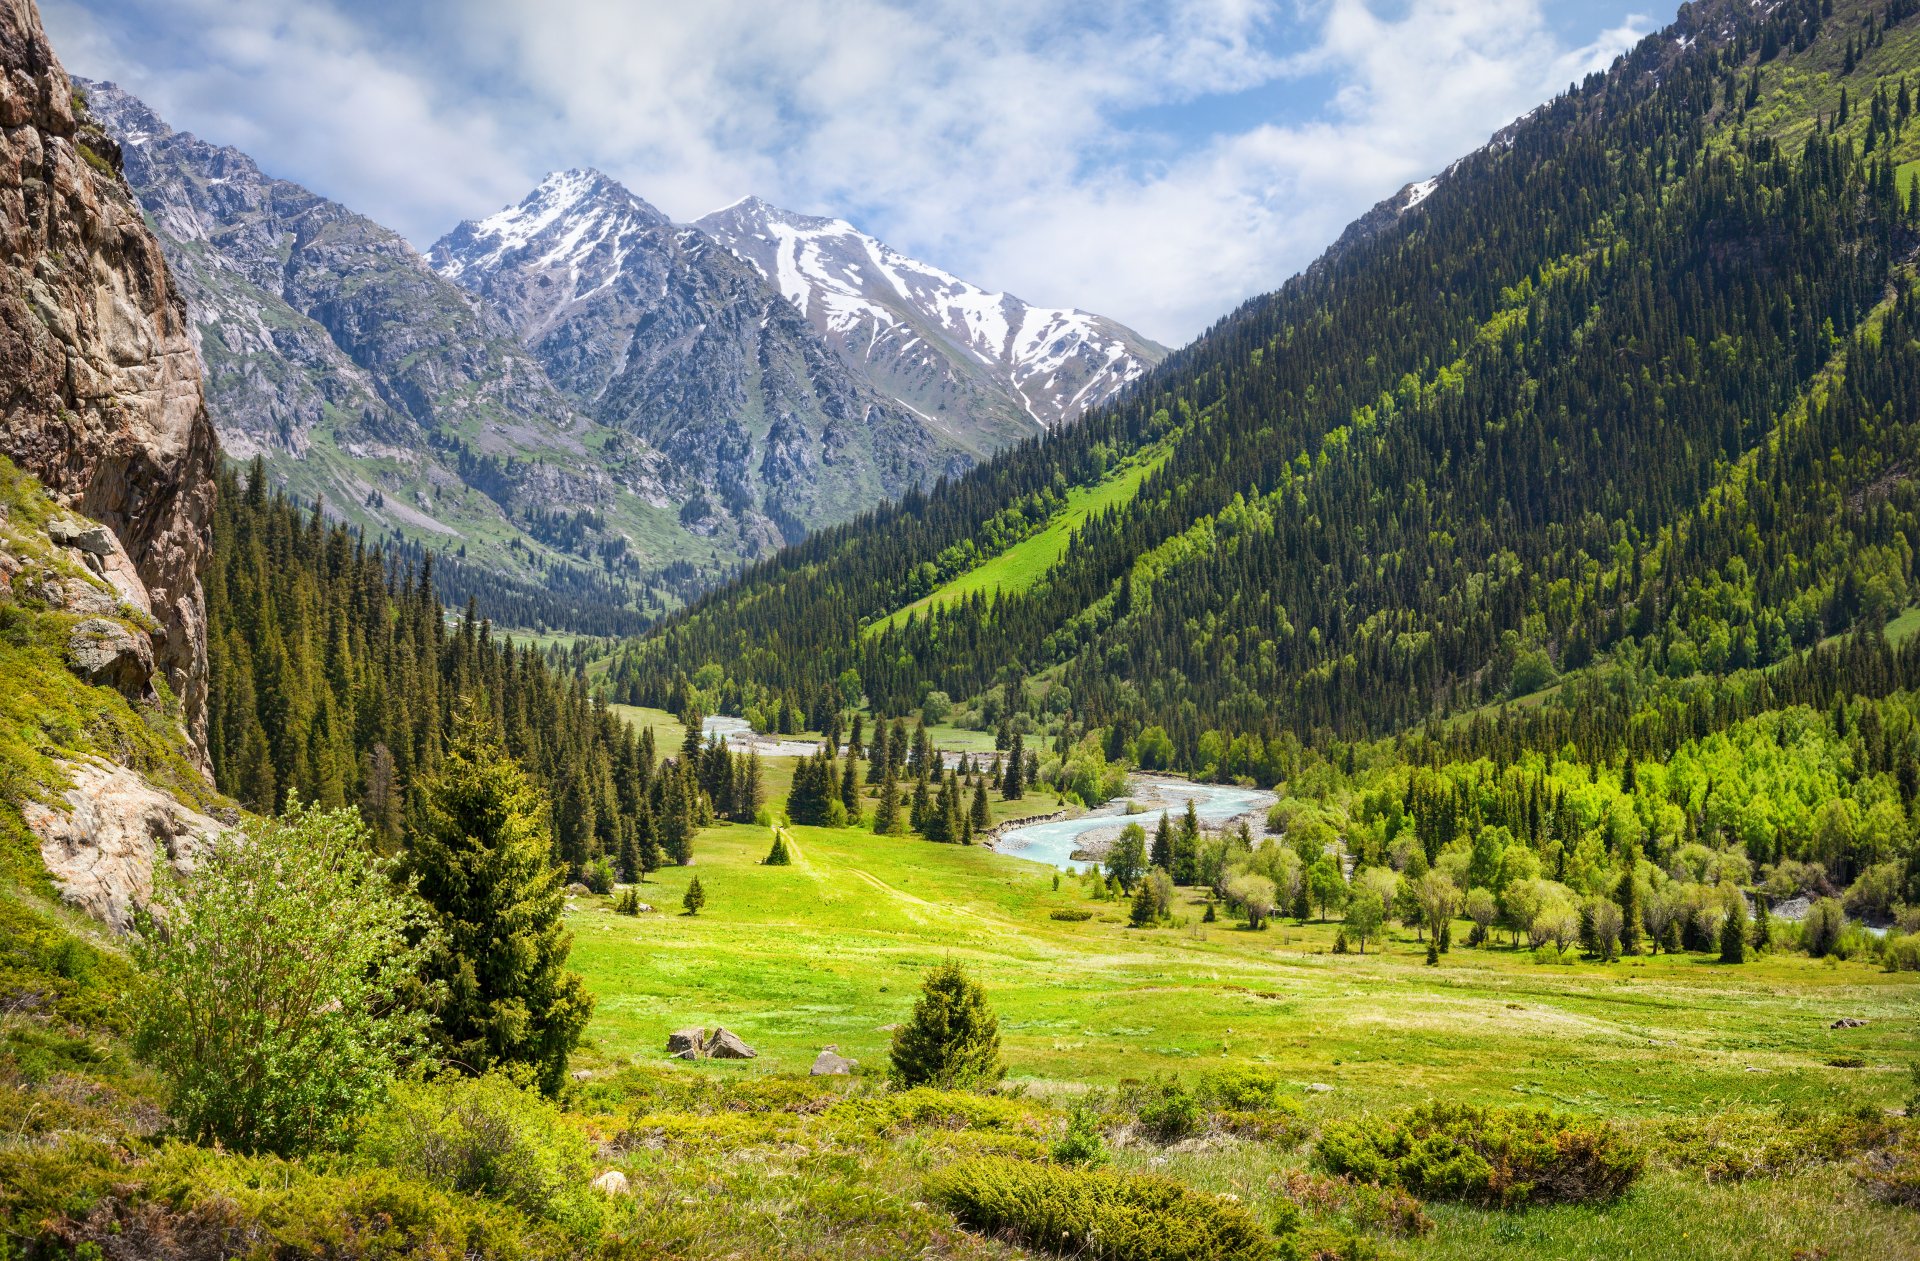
1495	1157
485	1136
1071	915
274	1001
1168	1111
598	876
1082	1144
1247	1089
1095	1213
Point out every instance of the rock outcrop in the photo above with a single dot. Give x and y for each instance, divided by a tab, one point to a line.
101	848
100	394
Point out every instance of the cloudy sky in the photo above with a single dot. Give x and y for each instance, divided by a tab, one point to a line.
1153	161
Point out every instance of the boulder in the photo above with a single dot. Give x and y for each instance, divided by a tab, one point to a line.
1848	1022
612	1182
681	1041
103	651
725	1044
830	1063
84	536
581	1074
578	890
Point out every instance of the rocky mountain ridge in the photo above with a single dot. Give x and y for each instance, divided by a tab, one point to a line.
655	329
941	345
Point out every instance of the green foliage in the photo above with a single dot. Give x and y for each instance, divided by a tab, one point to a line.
272	983
952	1040
1083	1143
1823	931
778	855
1497	1158
480	859
1168	1111
1095	1213
1070	914
696	897
485	1136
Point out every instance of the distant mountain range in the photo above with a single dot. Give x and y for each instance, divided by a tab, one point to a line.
584	406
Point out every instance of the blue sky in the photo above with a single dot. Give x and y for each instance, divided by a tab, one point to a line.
1153	160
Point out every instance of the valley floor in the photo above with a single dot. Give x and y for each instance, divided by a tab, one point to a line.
830	951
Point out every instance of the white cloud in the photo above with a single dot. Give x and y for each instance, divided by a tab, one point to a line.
990	136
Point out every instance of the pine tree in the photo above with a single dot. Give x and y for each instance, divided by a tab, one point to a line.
952	1040
1186	847
778	855
1146	907
630	870
880	757
1013	784
1629	899
850	782
480	861
676	821
886	816
922	809
695	898
982	815
1733	931
1161	855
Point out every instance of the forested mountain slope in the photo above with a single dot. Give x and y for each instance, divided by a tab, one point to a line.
1634	385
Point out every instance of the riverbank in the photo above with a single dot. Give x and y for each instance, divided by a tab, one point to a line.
1083	837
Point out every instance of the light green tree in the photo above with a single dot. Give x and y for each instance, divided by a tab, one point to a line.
274	983
952	1040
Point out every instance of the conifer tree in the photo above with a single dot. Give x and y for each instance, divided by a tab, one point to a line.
480	860
922	808
886	815
1186	847
1629	899
676	821
1733	931
952	1040
1013	783
982	813
850	783
1161	855
880	756
778	855
696	897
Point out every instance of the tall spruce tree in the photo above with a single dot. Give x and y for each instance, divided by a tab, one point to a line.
952	1040
480	859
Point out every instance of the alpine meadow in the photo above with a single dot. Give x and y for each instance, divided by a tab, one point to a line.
636	737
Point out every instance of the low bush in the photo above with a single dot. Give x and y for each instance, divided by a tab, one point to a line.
1082	1144
485	1136
1072	915
1095	1213
1892	1174
1734	1146
1168	1111
1494	1157
598	876
1901	954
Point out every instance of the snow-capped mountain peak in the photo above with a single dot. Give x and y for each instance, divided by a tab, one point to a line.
569	219
930	331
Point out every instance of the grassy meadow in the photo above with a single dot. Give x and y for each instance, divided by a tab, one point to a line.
830	950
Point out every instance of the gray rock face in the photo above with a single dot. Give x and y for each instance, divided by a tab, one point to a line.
682	1041
992	368
86	536
102	843
100	392
102	650
657	329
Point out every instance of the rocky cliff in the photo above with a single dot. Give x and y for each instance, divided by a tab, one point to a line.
100	393
106	494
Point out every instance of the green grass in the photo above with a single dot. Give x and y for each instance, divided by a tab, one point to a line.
1027	561
831	950
1904	627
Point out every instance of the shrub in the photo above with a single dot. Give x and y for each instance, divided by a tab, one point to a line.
1246	1089
484	1136
1082	1143
628	902
1071	915
1502	1158
1902	954
272	998
1820	932
1169	1112
953	1038
1095	1213
695	898
778	855
598	876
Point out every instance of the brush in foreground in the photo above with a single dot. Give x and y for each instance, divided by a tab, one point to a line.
1095	1213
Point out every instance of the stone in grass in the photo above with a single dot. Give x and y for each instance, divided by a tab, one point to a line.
581	1074
1848	1022
612	1182
687	1043
831	1063
84	536
725	1044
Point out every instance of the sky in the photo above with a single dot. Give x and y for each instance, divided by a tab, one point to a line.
1156	161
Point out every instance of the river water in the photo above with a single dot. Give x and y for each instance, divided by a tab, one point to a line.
1053	843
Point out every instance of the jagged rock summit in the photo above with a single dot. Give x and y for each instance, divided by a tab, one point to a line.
936	342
